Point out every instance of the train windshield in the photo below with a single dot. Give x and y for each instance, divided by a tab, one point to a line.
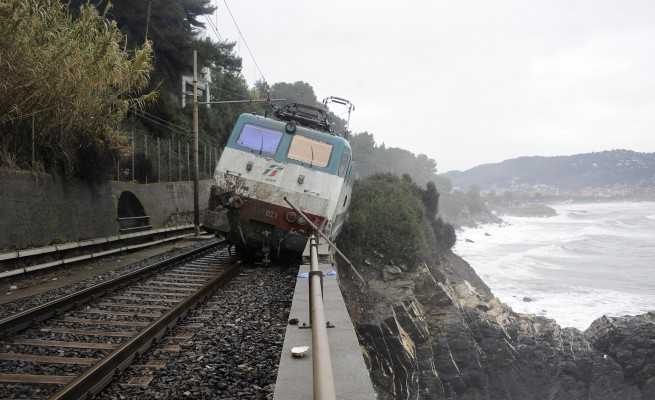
260	140
310	151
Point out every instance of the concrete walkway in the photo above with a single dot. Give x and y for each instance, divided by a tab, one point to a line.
294	380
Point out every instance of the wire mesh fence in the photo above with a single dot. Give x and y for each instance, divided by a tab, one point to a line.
153	159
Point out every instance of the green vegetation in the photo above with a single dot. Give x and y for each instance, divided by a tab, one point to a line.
453	206
175	29
465	208
371	158
388	217
81	67
73	78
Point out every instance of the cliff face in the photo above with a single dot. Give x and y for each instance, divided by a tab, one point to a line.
437	332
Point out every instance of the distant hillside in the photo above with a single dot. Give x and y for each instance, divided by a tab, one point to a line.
614	168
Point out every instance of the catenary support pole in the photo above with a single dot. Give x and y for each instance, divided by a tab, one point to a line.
158	160
33	142
196	206
133	150
145	157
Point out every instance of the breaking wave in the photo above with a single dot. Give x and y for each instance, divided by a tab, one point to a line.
589	260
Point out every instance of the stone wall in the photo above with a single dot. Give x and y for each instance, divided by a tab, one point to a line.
41	209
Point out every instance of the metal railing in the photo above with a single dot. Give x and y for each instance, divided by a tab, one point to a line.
324	388
321	359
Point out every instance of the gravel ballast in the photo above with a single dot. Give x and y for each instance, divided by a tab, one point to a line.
235	348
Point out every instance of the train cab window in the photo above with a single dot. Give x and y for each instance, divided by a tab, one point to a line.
345	162
310	151
259	140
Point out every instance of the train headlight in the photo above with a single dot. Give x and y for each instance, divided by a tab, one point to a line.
291	217
249	166
301	221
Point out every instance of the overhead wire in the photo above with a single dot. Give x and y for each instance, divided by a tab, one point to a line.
163	124
180	127
177	129
213	27
245	42
182	130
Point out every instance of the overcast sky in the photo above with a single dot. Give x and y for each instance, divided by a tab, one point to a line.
467	82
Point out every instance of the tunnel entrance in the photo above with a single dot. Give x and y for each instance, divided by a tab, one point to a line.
131	214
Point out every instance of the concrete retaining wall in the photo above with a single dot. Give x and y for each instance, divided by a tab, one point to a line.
39	209
167	203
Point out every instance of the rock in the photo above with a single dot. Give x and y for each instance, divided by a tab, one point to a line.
439	333
469	241
630	342
390	272
487	234
527	299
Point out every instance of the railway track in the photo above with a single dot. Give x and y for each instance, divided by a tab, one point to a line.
71	347
40	259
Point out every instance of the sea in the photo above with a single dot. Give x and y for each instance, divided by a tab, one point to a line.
588	261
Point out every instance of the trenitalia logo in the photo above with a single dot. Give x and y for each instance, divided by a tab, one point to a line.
273	170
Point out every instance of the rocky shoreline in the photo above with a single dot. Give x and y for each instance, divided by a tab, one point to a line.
437	332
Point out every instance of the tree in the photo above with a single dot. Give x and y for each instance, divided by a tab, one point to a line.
74	76
371	159
174	29
431	199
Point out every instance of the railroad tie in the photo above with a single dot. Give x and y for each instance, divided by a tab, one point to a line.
104	322
64	344
36	379
79	332
38	359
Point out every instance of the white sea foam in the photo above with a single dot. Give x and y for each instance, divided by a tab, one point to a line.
589	260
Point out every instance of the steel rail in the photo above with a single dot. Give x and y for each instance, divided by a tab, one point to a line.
118	243
97	377
321	360
28	317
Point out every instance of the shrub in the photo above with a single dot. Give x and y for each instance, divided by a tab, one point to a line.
386	215
396	219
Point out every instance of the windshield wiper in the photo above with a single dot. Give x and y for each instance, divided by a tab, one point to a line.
261	146
311	164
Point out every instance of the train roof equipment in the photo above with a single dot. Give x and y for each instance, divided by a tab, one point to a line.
311	116
302	114
344	102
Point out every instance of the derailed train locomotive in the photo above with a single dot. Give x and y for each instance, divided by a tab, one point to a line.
294	155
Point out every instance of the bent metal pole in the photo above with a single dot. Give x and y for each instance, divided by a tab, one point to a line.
321	360
329	242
